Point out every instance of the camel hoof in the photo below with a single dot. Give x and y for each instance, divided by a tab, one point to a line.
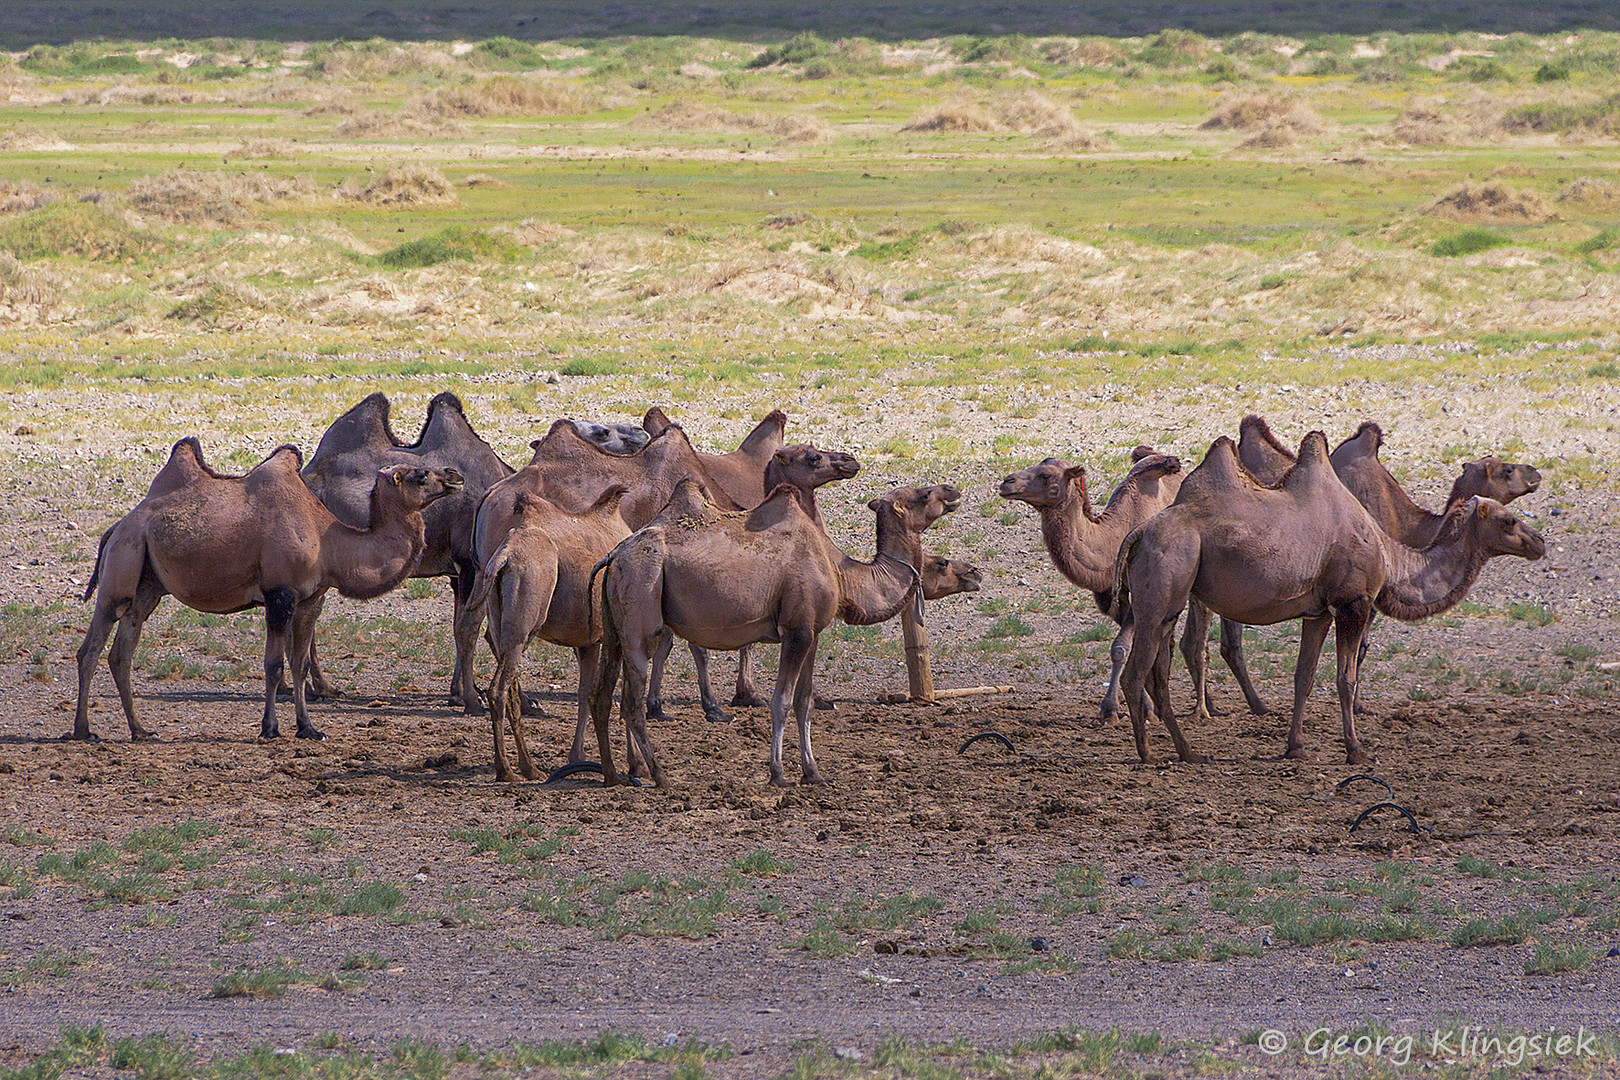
1102	721
81	736
655	711
812	780
825	704
311	733
718	715
1297	753
1359	757
531	705
780	781
1190	758
740	700
142	735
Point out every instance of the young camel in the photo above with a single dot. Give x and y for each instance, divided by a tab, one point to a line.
724	580
1084	545
536	584
1303	549
1355	462
343	469
227	543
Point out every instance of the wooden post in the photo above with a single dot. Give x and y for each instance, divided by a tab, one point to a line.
918	671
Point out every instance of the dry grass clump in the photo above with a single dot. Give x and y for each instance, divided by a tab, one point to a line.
1083	52
1243	112
683	115
22	285
264	149
801	128
185	195
1493	201
1429	122
1591	190
534	234
22	139
20	196
361	61
378	124
505	95
403	185
1274	136
1028	113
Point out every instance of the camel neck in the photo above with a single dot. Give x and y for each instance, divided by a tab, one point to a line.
876	591
1079	543
1420	583
365	563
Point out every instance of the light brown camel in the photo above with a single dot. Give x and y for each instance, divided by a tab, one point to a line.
1355	462
942	577
343	470
805	468
227	543
537	585
572	473
740	472
724	580
1084	545
1303	549
529	596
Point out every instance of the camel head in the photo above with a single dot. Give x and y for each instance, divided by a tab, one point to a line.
1496	479
804	466
655	420
1499	530
942	577
916	508
417	487
618	439
1046	484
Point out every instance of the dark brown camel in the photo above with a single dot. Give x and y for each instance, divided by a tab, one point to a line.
227	543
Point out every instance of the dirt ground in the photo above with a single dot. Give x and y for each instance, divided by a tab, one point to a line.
1064	872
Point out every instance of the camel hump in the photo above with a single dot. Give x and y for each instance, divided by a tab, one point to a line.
1365	443
689	499
372	416
1138	452
185	466
609	500
768	430
782	503
1154	465
655	420
1312	460
1254	426
446	418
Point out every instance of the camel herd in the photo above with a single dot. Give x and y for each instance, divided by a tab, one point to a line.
616	538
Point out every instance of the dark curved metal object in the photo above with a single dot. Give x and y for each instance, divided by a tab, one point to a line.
1417	829
1347	781
574	768
996	735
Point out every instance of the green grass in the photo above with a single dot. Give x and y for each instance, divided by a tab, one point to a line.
1467	242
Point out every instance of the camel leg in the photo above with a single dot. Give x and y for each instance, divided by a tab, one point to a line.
747	694
461	586
803	700
796	643
1195	650
1312	634
588	657
279	604
95	641
1160	688
299	636
711	704
1361	657
655	683
1232	653
633	703
1350	626
1117	652
608	662
468	621
122	656
506	663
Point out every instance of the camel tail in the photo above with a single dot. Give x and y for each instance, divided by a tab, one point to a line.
488	575
1120	602
95	574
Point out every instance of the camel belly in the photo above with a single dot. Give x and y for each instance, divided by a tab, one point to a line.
724	636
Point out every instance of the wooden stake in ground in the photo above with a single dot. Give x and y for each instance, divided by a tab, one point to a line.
918	672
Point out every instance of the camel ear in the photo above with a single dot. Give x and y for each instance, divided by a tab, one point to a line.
780	458
1073	471
1479	508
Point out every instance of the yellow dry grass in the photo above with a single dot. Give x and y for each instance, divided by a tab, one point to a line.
186	195
403	185
1246	111
506	95
1494	201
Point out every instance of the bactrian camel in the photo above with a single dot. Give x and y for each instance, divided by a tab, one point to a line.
344	467
227	543
723	580
537	585
1304	549
1084	545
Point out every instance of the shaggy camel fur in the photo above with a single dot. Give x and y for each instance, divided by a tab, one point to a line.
572	472
622	438
227	543
1084	545
724	580
740	472
344	467
537	585
1303	549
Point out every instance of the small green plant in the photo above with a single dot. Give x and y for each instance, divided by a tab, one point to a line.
762	863
1556	959
1511	929
271	981
1009	626
1467	242
823	941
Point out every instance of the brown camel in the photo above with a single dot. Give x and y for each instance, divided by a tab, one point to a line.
227	543
1302	549
537	585
1084	545
344	467
942	577
572	473
724	580
805	468
1355	462
740	472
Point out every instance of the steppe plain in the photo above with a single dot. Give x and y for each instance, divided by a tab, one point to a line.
951	257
